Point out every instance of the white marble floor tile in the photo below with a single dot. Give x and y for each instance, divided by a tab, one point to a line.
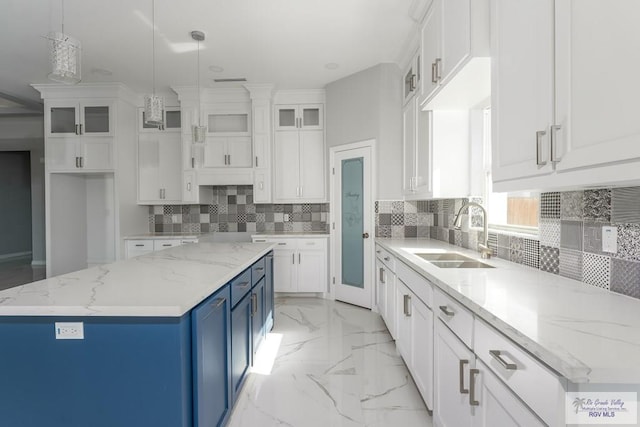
336	365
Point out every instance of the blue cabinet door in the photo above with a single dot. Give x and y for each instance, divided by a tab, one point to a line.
211	328
258	314
240	343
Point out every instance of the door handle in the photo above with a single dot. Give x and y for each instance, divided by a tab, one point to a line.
438	62
447	311
188	186
256	161
81	160
539	135
365	235
463	390
218	302
472	387
553	148
76	132
80	128
382	275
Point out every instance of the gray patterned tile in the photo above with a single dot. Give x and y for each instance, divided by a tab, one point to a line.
531	253
424	231
493	242
516	243
433	232
571	235
424	219
571	264
625	205
452	237
571	205
503	240
550	259
397	219
411	231
592	241
597	205
385	219
397	207
410	219
457	237
504	253
397	231
549	230
628	242
410	207
625	277
596	270
550	205
376	207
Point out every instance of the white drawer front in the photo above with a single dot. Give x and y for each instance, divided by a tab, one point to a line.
319	244
418	284
280	243
386	258
534	383
455	316
139	245
164	244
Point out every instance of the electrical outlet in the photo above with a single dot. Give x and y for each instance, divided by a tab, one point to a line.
69	331
610	239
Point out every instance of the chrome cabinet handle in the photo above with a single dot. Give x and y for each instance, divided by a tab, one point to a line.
243	284
461	366
299	257
80	128
281	243
387	258
497	355
218	302
447	311
229	159
256	161
193	163
378	252
539	135
293	258
138	245
77	162
412	82
81	161
382	275
254	304
188	186
434	76
472	387
259	268
438	69
407	305
553	149
166	244
76	132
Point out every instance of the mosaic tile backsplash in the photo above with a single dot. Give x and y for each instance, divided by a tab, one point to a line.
569	241
233	210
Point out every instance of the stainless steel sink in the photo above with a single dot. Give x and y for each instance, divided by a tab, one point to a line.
461	264
452	260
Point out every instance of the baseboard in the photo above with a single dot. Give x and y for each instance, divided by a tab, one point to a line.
38	263
14	255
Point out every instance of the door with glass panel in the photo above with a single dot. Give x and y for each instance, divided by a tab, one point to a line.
353	233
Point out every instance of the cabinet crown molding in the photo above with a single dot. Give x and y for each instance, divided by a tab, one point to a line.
86	90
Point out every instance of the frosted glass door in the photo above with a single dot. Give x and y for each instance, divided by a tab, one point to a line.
62	121
352	223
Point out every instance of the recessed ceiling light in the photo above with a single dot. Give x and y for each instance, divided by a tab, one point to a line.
101	71
331	66
216	69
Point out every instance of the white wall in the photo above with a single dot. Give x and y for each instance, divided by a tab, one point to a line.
26	133
368	105
15	204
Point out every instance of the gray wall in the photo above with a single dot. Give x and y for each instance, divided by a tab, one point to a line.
15	203
26	133
368	105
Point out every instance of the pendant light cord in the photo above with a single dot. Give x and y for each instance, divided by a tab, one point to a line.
199	100
62	16
153	43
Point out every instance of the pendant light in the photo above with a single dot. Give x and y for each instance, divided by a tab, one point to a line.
64	56
154	104
199	131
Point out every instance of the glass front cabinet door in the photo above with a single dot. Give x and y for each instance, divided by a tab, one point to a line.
69	118
299	117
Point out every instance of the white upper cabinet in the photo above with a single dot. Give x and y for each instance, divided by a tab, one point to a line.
456	54
597	85
172	121
299	154
73	118
522	88
79	135
229	151
298	117
412	77
556	123
159	169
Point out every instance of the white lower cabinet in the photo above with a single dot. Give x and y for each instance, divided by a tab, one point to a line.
299	264
453	360
137	247
467	372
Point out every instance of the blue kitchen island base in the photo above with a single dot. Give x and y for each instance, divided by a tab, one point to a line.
135	371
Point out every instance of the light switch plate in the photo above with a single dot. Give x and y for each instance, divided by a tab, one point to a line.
69	331
609	239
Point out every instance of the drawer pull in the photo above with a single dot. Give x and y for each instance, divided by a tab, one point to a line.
497	355
472	387
139	245
387	258
242	284
407	305
378	252
259	268
166	244
282	243
218	302
463	390
259	241
446	310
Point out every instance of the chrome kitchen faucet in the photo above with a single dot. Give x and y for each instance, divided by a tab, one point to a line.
483	248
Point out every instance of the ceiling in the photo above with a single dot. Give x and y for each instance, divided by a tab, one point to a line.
285	42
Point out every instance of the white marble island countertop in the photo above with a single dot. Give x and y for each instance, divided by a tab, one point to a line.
166	283
586	334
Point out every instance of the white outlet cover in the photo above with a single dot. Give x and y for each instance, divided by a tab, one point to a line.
610	239
69	330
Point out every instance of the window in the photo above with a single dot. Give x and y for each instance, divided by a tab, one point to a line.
516	212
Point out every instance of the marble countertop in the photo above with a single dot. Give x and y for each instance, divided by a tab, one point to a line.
291	234
161	236
165	283
587	334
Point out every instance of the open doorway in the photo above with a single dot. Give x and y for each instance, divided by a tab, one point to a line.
16	250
